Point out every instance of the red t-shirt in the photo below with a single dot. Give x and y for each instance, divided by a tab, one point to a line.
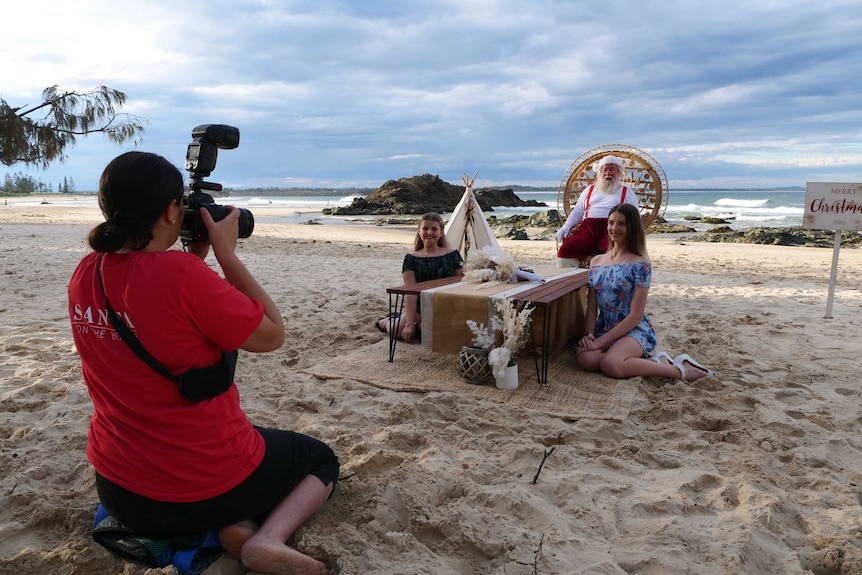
143	435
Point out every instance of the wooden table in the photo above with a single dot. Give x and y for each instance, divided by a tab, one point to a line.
447	304
544	296
398	294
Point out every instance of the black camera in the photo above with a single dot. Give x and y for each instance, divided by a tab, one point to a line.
200	162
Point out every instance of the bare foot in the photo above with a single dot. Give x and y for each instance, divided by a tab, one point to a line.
692	372
233	537
269	555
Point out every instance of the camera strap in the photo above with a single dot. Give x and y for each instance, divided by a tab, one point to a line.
195	384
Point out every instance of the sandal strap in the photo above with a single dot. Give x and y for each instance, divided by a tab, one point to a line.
681	368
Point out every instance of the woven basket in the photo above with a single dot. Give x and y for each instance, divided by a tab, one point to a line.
473	366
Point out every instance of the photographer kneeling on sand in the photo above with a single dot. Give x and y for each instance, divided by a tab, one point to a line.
171	462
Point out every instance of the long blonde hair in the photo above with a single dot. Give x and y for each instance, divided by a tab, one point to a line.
418	243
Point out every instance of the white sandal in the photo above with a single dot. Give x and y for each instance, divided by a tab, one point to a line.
660	354
680	359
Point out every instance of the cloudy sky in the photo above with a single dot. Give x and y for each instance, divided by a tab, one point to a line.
341	93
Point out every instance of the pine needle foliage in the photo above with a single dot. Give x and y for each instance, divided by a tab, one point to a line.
39	135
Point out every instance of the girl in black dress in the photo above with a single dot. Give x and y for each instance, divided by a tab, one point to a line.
431	259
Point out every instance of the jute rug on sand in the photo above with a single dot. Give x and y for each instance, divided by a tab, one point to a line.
570	393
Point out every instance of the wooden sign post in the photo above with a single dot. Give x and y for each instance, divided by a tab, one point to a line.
833	206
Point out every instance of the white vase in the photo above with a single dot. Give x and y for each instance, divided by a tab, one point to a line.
509	380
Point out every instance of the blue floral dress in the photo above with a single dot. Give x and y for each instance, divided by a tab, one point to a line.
614	286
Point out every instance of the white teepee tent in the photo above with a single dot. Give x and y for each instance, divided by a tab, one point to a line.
467	228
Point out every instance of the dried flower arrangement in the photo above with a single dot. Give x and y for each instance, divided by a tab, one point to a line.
506	335
489	267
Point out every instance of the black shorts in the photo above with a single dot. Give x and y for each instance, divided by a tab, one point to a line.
290	457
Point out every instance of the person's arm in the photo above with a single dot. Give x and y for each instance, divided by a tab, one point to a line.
636	313
459	269
576	216
269	334
590	321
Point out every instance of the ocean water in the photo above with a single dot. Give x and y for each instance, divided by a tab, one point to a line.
741	208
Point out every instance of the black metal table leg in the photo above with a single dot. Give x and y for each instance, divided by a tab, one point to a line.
535	353
546	347
396	308
542	368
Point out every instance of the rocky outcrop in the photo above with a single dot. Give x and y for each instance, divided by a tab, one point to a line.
515	227
792	236
707	220
422	194
666	228
548	218
416	195
503	198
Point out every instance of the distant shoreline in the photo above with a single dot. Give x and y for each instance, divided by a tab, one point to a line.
21	210
298	191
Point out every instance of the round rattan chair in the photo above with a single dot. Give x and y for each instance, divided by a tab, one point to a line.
643	174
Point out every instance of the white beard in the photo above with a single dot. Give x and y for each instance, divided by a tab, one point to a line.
606	186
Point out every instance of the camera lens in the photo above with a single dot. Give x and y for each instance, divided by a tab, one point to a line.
246	219
246	223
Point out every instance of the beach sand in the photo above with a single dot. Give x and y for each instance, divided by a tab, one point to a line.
757	470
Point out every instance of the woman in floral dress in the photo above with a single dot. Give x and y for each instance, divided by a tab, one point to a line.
431	259
620	338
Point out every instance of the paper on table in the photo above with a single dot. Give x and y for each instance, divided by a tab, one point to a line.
528	276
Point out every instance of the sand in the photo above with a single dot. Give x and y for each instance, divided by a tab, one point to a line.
756	470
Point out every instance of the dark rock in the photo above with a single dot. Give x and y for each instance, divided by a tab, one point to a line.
537	220
660	226
512	227
509	232
548	218
425	193
508	221
503	198
791	236
416	195
663	228
719	230
711	220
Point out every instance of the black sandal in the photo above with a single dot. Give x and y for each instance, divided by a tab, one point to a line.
395	315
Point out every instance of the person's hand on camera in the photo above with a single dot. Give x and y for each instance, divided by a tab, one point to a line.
222	234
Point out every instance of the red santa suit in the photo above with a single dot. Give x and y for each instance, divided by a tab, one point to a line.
591	211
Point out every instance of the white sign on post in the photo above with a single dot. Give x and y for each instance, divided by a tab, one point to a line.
833	206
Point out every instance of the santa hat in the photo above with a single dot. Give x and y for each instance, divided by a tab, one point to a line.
610	160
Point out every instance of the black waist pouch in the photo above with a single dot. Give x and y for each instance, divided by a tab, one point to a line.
207	382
